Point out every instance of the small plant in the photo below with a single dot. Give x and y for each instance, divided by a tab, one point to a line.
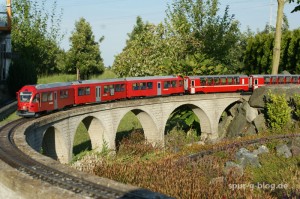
296	105
278	111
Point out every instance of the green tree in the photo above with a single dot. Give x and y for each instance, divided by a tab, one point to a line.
84	55
36	32
297	8
197	23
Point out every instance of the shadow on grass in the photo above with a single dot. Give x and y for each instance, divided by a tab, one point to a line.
87	145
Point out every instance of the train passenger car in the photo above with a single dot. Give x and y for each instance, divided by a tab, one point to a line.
263	80
36	99
216	83
154	86
96	91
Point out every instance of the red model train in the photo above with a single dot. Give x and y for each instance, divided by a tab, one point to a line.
36	99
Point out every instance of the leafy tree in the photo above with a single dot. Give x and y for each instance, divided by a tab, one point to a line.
84	55
36	32
258	53
197	23
193	41
297	8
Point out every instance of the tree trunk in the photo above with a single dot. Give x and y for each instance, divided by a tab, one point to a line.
276	50
78	74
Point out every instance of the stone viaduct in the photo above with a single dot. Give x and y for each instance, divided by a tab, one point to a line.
55	133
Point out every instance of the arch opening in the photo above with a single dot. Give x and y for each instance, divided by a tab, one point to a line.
135	132
183	126
53	145
89	136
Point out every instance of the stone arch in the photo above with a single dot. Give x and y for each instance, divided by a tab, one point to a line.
54	146
205	123
148	123
96	131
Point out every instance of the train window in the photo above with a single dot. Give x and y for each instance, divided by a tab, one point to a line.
143	86
25	96
44	97
237	80
174	84
295	80
230	80
180	83
223	80
63	94
288	79
36	98
267	80
274	80
149	85
106	89
203	81
135	86
167	84
118	87
122	87
209	81
281	80
87	91
50	96
216	81
80	91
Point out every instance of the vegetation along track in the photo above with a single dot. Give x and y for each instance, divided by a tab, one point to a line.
237	144
10	154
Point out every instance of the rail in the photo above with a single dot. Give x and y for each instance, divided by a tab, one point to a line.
25	177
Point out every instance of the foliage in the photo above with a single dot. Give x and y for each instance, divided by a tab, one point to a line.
183	118
35	35
297	8
84	54
296	105
21	72
259	52
278	111
193	41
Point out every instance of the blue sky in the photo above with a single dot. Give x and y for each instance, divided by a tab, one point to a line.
113	19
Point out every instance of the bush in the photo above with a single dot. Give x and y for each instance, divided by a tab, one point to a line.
278	111
296	105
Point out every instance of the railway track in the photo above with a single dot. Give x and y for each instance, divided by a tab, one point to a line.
11	155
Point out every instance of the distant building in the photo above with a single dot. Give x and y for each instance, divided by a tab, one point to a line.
5	40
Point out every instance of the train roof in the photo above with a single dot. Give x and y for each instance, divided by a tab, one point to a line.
97	81
151	77
52	85
278	75
214	76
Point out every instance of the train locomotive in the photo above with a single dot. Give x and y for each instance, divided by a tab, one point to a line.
34	100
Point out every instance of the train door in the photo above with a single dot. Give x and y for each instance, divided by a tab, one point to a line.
55	100
158	88
255	83
193	87
98	93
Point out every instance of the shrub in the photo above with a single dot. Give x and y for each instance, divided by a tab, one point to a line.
278	111
296	105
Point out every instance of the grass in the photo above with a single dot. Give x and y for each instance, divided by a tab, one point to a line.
10	118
